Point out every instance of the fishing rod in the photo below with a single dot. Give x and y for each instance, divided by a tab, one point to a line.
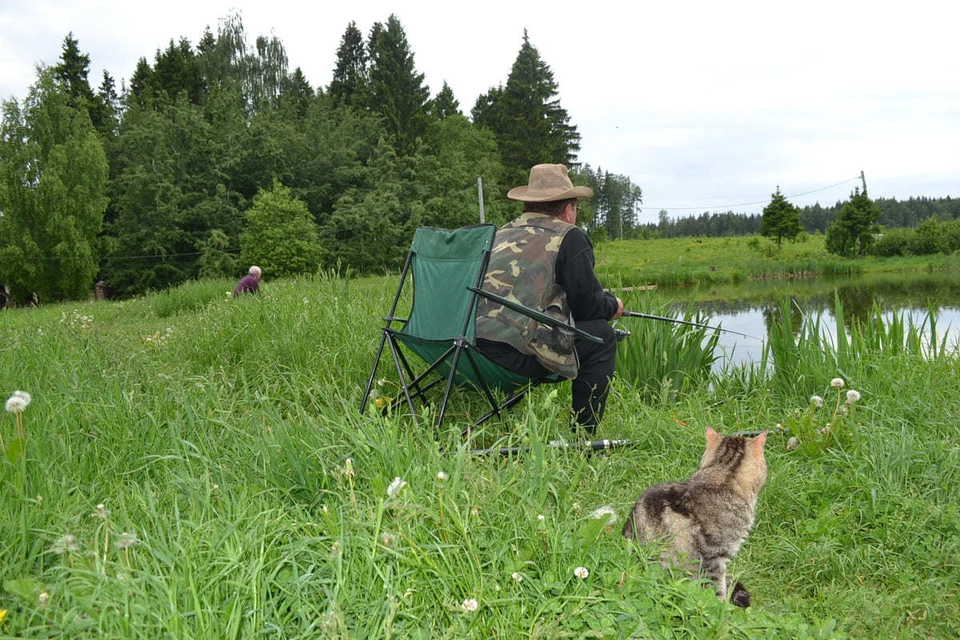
637	314
586	445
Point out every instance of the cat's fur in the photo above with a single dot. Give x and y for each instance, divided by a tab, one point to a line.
706	518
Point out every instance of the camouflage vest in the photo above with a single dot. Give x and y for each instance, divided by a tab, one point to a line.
522	268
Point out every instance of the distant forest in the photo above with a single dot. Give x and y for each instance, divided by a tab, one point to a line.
894	214
217	155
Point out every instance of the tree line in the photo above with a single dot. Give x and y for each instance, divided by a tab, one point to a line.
899	218
217	155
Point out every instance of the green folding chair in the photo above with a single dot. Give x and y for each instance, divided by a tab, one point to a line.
447	268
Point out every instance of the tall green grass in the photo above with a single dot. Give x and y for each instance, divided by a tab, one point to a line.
216	433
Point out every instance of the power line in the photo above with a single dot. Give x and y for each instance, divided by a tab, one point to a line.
749	204
105	258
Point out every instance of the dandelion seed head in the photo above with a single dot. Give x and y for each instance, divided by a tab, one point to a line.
793	443
395	487
17	402
825	431
837	383
541	518
470	605
852	396
581	572
348	468
65	544
441	476
44	596
126	540
102	512
816	401
606	510
517	576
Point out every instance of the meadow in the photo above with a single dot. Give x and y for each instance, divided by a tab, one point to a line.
194	466
716	262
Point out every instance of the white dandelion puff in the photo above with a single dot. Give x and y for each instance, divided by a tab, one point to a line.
518	577
65	544
18	402
470	605
541	518
853	396
395	487
606	510
441	476
581	572
816	401
837	383
793	443
126	540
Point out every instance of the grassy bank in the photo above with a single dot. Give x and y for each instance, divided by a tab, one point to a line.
714	261
216	435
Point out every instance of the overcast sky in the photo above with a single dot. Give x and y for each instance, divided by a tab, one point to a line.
704	105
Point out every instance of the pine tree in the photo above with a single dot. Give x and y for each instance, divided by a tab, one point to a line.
530	125
72	72
780	219
444	104
397	91
351	75
853	232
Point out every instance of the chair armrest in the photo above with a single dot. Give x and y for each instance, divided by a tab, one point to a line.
536	315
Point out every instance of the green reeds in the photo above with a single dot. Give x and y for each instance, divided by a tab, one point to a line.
662	359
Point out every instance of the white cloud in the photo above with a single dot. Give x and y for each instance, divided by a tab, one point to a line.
701	103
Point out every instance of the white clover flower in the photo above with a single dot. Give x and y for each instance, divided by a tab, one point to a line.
825	431
441	476
852	396
606	510
517	576
581	572
395	487
470	605
816	401
44	596
793	443
541	518
837	383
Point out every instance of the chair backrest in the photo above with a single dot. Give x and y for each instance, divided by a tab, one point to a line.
445	263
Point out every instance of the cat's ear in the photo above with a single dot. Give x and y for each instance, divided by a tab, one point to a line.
758	440
712	436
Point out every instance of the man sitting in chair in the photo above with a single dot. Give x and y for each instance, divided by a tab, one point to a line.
544	261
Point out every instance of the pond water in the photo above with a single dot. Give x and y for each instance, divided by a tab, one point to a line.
751	308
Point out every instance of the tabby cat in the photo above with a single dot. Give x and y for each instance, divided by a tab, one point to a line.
706	518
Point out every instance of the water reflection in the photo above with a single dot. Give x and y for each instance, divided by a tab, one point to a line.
753	308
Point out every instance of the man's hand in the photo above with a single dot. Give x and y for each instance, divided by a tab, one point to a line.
619	309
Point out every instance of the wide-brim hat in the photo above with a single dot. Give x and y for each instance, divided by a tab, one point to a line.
548	183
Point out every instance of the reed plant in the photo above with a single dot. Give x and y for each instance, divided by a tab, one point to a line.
217	481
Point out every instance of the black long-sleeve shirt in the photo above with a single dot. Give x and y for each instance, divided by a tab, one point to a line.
574	272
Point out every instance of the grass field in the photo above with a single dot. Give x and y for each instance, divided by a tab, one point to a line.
195	466
715	261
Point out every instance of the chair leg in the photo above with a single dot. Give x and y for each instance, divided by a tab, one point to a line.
373	373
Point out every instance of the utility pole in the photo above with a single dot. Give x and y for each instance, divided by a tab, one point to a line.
864	181
480	195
